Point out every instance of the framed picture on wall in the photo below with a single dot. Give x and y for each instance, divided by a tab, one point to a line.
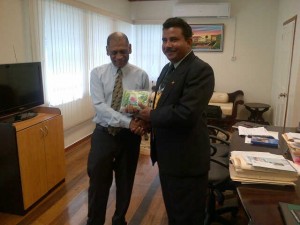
208	37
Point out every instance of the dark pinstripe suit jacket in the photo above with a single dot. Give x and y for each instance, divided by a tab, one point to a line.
180	142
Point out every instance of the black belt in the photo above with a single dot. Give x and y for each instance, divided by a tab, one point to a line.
102	128
105	128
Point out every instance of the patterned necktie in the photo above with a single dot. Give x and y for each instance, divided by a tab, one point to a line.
116	99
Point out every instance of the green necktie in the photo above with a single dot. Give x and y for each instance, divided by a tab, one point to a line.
116	100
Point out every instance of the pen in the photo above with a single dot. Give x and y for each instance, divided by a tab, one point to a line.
295	216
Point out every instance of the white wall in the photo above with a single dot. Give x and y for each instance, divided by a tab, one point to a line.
14	35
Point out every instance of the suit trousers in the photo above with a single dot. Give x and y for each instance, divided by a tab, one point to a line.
185	198
111	155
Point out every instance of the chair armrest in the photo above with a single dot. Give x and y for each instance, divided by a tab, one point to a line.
215	160
213	150
216	130
237	98
222	141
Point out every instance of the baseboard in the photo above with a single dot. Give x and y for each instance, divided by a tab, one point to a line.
74	145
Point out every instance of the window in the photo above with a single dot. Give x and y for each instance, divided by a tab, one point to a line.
72	42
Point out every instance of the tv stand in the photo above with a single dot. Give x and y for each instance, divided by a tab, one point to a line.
32	159
24	116
19	117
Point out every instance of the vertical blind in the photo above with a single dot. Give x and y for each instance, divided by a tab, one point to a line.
72	41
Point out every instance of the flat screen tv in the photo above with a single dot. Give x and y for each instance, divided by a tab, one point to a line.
21	88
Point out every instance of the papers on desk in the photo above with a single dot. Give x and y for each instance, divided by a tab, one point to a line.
293	139
259	136
262	167
293	142
255	131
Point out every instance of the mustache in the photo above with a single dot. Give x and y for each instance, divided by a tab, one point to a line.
167	50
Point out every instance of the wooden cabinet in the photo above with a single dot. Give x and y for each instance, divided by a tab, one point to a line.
34	160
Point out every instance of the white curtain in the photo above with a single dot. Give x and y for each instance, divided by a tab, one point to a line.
71	41
147	52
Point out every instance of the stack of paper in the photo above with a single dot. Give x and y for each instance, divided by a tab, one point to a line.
293	142
261	131
262	167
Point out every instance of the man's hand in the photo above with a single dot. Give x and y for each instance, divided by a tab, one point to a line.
144	112
137	127
131	109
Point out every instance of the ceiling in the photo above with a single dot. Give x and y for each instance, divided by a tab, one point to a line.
143	0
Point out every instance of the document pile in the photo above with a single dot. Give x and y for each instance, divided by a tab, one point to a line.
262	167
259	136
293	143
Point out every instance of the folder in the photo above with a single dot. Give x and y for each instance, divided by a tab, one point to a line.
290	213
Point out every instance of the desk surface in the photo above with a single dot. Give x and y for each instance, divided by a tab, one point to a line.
259	201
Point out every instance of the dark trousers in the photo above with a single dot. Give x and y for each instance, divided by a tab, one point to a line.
111	155
185	198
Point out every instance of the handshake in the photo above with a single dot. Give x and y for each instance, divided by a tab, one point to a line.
140	123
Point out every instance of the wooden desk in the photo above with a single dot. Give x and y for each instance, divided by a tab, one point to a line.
259	201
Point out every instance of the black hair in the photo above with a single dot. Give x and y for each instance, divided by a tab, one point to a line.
116	35
181	23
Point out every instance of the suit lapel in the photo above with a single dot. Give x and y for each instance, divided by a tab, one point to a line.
179	71
162	75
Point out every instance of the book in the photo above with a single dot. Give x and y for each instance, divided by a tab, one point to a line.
134	97
264	141
290	213
293	145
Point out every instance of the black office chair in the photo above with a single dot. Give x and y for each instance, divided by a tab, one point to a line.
217	131
219	182
220	139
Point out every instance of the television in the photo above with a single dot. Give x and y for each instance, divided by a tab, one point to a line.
21	89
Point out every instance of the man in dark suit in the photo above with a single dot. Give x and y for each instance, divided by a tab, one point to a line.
179	136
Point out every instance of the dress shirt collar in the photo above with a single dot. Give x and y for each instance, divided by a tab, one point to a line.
177	64
124	69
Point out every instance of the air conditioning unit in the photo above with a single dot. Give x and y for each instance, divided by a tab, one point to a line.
215	10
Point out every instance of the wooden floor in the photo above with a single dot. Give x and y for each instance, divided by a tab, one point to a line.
67	204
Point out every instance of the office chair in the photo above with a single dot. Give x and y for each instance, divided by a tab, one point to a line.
217	131
219	182
220	139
